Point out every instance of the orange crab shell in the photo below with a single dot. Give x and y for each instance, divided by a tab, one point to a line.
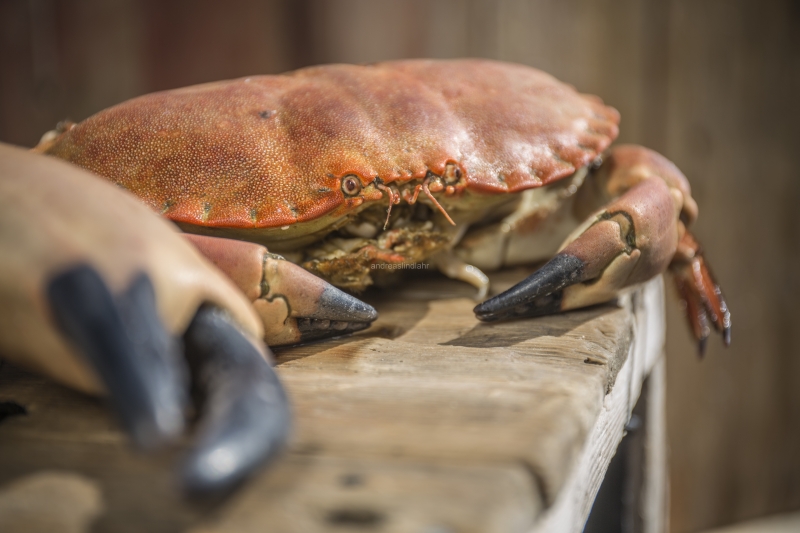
270	151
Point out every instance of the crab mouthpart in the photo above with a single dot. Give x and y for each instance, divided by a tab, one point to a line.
432	183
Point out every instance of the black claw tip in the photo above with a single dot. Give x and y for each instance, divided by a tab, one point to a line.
247	417
337	313
538	294
726	336
544	305
124	341
335	304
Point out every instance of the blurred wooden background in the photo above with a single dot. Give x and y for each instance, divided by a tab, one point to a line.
712	84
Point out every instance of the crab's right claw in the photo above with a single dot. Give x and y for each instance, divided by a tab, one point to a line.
625	244
295	305
635	237
245	418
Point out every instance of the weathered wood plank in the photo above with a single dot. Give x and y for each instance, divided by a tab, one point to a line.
436	419
574	502
327	493
443	390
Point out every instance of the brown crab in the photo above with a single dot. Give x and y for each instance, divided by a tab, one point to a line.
468	164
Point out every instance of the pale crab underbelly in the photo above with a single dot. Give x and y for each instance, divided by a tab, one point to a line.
533	232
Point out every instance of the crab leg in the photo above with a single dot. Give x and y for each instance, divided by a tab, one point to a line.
632	239
246	417
701	295
295	305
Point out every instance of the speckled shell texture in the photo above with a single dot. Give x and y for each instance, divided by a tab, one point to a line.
268	151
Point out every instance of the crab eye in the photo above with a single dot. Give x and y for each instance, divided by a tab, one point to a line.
351	185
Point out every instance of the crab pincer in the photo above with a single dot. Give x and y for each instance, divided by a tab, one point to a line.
294	305
638	233
102	295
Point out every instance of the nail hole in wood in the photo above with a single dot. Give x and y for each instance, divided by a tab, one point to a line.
361	518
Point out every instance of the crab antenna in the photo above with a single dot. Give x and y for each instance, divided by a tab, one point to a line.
437	204
388	214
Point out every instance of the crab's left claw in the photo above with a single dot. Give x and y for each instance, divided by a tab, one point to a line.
636	236
295	305
541	293
102	295
630	241
245	418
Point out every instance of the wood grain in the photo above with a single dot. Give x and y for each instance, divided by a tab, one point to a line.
428	419
733	128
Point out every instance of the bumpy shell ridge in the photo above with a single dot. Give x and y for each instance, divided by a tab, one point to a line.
269	151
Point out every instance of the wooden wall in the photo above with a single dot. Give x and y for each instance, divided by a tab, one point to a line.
712	84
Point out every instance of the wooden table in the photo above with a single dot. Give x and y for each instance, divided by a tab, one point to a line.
428	422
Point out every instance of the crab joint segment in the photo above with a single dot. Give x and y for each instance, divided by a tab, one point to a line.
294	305
454	268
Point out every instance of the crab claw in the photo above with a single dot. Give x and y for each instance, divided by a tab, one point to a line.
541	293
315	309
129	349
247	420
246	416
295	305
591	269
636	236
102	295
